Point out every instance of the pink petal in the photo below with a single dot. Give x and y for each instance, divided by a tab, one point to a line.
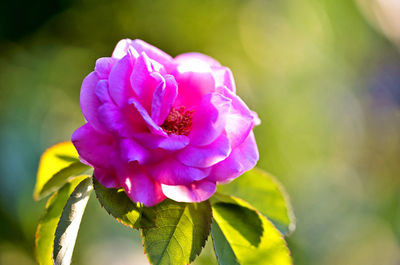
194	192
102	92
119	83
141	188
132	151
144	80
153	127
242	159
103	66
163	99
209	119
89	101
223	77
195	58
153	52
118	121
121	49
93	146
206	156
240	120
192	86
171	172
107	178
169	142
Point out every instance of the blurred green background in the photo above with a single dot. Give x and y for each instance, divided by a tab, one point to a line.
323	75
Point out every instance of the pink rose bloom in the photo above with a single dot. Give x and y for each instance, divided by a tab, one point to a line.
163	127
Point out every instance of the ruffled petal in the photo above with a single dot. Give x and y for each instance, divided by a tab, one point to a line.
106	177
153	127
153	52
242	159
240	120
163	98
120	122
171	172
121	49
192	86
223	77
194	192
209	119
89	101
169	142
141	188
103	66
144	80
133	151
119	81
102	92
206	156
93	146
195	59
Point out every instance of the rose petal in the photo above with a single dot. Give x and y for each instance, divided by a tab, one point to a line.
206	156
119	81
163	99
242	159
240	120
89	101
194	192
209	119
102	92
95	147
119	121
103	66
121	49
153	52
223	77
169	142
132	151
106	177
141	188
195	58
192	86
144	80
153	127
171	172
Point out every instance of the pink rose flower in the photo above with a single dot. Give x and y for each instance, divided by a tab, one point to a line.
162	127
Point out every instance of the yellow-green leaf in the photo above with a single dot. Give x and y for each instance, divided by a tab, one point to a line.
56	166
266	194
70	220
46	228
233	245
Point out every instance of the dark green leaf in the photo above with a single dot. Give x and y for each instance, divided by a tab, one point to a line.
233	242
62	176
266	194
46	228
118	204
68	225
175	233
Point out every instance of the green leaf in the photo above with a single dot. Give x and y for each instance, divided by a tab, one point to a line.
233	237
68	225
51	163
58	180
266	194
174	232
46	228
119	205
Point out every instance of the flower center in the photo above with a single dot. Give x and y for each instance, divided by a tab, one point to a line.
179	121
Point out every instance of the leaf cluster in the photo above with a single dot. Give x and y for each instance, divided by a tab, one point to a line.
249	231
